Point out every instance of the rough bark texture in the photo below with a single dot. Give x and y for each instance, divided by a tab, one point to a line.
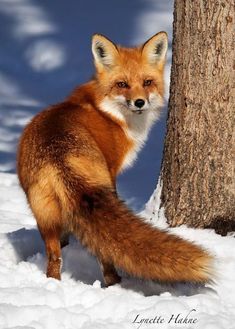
198	164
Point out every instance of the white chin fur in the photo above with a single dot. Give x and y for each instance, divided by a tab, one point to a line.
137	126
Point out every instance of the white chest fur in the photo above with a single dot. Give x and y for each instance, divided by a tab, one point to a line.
138	128
135	126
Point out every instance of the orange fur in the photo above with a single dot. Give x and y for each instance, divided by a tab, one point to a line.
70	155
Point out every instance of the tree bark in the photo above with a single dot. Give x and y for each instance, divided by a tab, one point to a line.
198	161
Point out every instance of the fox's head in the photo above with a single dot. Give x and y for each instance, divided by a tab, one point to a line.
130	79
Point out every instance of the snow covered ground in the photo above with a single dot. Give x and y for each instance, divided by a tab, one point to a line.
29	300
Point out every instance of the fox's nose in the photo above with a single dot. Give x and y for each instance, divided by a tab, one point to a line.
139	103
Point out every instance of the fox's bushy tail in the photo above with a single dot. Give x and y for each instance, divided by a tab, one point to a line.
113	233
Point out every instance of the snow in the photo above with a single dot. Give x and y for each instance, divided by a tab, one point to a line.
45	55
30	19
30	300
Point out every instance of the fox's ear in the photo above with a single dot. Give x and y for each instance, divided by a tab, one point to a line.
154	50
105	52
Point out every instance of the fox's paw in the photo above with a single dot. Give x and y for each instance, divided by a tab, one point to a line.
54	268
111	279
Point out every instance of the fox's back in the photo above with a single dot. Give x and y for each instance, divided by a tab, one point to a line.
70	131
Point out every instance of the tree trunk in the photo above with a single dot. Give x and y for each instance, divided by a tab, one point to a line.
198	162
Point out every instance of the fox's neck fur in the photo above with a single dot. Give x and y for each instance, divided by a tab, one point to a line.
135	127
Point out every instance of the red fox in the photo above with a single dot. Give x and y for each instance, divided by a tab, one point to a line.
70	155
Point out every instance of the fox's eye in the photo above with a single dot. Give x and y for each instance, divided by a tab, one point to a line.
147	82
122	84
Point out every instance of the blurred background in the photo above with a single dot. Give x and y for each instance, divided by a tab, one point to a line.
45	52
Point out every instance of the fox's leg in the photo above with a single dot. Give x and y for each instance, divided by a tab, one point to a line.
53	250
48	215
109	273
